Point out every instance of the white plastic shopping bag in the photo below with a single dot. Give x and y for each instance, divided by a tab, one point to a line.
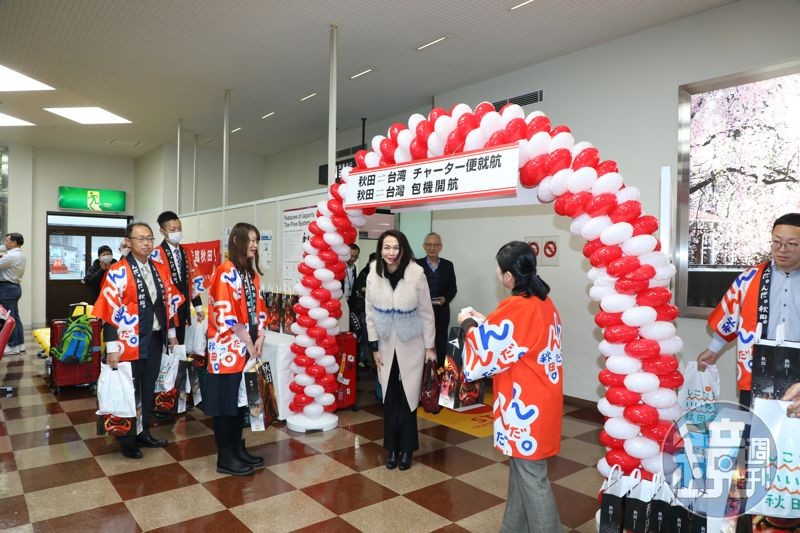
699	393
169	370
196	339
115	391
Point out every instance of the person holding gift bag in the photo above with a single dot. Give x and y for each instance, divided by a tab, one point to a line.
519	344
236	329
400	325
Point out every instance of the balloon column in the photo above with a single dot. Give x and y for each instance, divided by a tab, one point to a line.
630	275
318	310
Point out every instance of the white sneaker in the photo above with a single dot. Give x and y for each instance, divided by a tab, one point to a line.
11	350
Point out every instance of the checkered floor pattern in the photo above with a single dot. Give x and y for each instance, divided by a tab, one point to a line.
57	475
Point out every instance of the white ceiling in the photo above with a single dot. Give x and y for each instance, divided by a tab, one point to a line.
153	61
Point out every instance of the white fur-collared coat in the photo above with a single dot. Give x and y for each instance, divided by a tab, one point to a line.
402	322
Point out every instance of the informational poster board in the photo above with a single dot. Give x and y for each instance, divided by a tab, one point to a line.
265	249
295	233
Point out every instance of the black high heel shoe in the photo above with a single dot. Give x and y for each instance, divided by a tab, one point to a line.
391	460
405	460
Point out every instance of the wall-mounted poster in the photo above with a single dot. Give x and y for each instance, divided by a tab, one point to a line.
295	233
265	252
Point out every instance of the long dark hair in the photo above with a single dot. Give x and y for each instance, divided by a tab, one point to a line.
406	254
517	258
238	242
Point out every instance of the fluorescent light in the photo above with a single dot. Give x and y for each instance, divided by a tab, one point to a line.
268	114
424	46
312	95
526	2
8	120
234	130
11	80
354	76
88	115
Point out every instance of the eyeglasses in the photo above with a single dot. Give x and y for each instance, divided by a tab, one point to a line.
143	239
790	246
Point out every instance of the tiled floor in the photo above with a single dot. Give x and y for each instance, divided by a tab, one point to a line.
56	475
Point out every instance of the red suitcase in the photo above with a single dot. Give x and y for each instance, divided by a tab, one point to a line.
348	356
86	373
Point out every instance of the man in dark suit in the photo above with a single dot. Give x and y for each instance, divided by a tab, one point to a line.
442	284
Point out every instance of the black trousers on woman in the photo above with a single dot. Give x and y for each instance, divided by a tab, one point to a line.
399	421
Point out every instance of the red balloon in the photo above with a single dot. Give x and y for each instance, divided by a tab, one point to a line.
667	312
645	225
328	256
620	333
591	247
559	129
418	148
297	349
466	123
341	222
302	399
437	112
293	407
319	243
336	207
302	360
618	457
369	211
644	272
622	396
576	204
642	348
641	414
626	211
334	190
314	229
610	442
515	129
455	142
534	171
602	204
329	341
424	129
655	297
330	408
332	349
359	157
323	295
331	388
388	146
657	431
604	319
350	234
671	381
305	321
605	255
558	160
299	310
394	129
622	266
316	333
630	286
295	387
305	270
315	371
660	365
497	138
327	379
311	282
537	124
483	108
605	167
588	157
646	474
560	205
610	379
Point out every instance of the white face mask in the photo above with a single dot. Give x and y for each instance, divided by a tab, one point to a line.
175	237
106	258
124	251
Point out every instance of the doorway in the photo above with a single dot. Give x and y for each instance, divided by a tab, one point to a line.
72	243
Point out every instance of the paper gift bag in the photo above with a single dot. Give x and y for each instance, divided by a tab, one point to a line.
639	505
612	499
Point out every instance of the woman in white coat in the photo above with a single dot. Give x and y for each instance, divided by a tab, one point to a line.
401	330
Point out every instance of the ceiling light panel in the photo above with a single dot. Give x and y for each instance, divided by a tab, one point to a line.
362	73
8	120
12	81
268	114
312	95
88	115
435	41
525	3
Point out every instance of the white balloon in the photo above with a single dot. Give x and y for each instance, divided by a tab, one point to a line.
322	207
619	428
582	179
576	227
313	261
304	340
660	463
661	398
641	447
326	399
623	364
356	220
304	380
460	109
598	292
616	233
317	313
654	259
657	331
594	227
296	369
337	294
326	360
617	303
638	245
414	120
474	140
333	331
642	382
333	239
560	182
328	322
332	369
665	272
443	126
332	285
654	282
309	249
315	351
436	144
372	160
605	280
671	345
608	409
610	182
639	316
297	329
611	349
490	123
341	249
345	175
510	112
523	156
313	410
325	223
404	138
596	273
538	144
376	143
323	274
670	413
533	114
301	290
580	147
314	390
402	155
308	302
544	192
562	140
628	193
604	468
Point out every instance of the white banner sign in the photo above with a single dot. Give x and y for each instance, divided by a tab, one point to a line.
489	172
295	233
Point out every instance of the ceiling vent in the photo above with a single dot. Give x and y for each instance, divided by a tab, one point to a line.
125	143
521	100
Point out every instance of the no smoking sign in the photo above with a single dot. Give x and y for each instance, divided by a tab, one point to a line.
545	249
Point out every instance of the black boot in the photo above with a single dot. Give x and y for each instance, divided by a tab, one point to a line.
248	458
391	460
405	460
229	463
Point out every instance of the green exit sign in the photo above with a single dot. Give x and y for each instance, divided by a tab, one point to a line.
91	199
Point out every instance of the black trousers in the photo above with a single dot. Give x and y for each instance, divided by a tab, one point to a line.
441	315
228	429
399	421
145	373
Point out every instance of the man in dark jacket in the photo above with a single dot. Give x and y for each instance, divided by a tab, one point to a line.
94	276
442	284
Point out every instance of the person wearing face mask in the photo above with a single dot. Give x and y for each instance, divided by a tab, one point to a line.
401	332
97	271
124	248
174	264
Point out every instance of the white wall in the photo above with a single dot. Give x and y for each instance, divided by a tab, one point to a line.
149	185
622	96
20	217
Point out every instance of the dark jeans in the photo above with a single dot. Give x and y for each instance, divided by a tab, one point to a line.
10	293
441	315
145	373
399	421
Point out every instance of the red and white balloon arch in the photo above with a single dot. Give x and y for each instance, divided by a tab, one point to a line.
630	275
